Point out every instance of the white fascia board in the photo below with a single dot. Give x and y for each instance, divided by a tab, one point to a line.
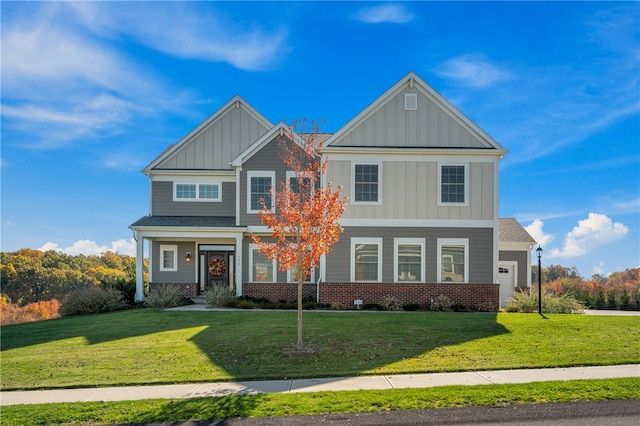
404	154
195	176
191	233
234	102
416	223
515	246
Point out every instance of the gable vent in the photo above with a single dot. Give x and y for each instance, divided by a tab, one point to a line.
410	101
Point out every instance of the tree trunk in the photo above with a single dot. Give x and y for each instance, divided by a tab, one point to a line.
300	282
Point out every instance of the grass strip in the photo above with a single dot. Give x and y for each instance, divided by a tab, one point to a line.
262	405
146	346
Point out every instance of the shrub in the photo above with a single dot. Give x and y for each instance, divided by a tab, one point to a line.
166	296
126	285
391	303
36	311
551	304
485	307
411	307
441	303
246	304
92	300
219	296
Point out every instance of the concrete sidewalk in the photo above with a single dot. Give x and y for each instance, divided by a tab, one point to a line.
317	385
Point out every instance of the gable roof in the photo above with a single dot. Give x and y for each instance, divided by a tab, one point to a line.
213	143
510	231
434	124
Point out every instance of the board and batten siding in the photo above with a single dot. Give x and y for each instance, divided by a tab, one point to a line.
218	144
410	191
338	266
162	203
393	126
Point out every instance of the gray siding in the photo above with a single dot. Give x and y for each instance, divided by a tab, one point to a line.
216	145
163	204
480	251
521	258
410	191
266	160
185	272
392	126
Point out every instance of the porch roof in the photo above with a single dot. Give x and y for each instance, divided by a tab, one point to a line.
186	222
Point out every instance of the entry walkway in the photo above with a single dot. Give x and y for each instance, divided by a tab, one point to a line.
317	385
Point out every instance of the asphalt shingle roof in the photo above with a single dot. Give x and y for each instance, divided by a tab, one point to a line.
186	221
510	230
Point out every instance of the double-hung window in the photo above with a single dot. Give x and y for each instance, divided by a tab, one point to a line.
453	264
366	183
296	182
259	186
197	192
366	259
292	275
168	258
262	269
409	259
453	184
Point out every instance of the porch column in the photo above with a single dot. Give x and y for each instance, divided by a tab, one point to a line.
139	297
239	265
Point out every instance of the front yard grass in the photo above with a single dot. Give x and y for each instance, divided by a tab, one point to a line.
147	346
176	410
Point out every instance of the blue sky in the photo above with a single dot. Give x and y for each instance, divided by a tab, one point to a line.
93	91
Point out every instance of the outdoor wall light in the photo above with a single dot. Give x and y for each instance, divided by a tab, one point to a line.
188	258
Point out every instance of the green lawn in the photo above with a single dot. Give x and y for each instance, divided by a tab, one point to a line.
175	410
147	346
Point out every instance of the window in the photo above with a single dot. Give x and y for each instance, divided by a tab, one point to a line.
410	101
453	265
168	258
259	187
366	180
366	255
452	184
197	192
294	182
409	259
292	276
262	268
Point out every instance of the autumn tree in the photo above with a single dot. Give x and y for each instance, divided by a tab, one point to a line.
304	214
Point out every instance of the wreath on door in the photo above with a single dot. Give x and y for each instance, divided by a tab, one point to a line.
217	266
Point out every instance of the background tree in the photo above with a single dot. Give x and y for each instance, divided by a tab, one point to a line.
305	223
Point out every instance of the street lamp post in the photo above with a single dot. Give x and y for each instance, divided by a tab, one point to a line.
539	251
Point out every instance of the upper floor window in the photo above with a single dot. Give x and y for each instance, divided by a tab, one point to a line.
453	188
197	192
259	185
366	259
409	259
295	182
168	258
366	183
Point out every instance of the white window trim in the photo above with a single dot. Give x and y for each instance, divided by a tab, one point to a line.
167	248
410	101
252	174
312	276
453	242
400	241
353	183
274	278
466	184
197	199
356	241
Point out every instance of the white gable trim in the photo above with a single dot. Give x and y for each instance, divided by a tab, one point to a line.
235	102
412	80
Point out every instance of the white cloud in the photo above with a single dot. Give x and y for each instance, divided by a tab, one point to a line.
535	230
599	268
391	13
473	71
89	247
594	231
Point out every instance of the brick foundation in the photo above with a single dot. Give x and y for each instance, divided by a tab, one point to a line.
468	295
189	290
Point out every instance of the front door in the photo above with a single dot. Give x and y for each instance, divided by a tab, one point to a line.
216	269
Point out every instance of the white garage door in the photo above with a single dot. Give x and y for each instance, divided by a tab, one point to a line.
506	275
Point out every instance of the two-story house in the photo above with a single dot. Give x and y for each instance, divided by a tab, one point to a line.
422	182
